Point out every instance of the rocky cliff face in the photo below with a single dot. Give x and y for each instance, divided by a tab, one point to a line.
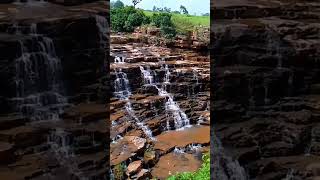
266	87
159	110
53	97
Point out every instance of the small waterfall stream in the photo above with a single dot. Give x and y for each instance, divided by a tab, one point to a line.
223	166
172	108
122	91
290	175
40	93
103	27
39	85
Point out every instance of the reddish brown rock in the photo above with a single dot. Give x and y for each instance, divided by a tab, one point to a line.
125	148
195	135
150	157
143	174
173	163
6	153
133	168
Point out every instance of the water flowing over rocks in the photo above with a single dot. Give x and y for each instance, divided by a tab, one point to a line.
265	91
161	97
53	113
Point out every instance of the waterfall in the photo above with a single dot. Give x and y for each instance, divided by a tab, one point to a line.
274	46
121	85
190	147
195	75
289	175
119	59
290	84
266	93
307	151
40	90
200	120
147	77
167	74
38	80
123	92
223	166
172	108
30	2
103	27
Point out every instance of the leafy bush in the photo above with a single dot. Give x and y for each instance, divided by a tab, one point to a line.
162	19
119	171
117	4
146	20
168	32
164	22
127	18
202	174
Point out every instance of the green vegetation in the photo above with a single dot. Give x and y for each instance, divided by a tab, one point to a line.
202	174
163	21
117	4
184	10
119	171
127	18
184	23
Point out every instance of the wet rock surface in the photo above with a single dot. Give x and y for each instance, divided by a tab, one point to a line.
266	98
53	112
161	96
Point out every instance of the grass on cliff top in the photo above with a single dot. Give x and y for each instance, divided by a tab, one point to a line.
184	22
202	174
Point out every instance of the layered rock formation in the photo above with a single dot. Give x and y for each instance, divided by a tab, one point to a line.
159	110
197	40
53	113
265	90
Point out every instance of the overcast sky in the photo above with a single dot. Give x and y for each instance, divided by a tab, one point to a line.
193	6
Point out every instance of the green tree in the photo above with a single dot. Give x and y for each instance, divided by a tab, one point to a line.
202	174
118	4
163	21
183	10
127	18
135	2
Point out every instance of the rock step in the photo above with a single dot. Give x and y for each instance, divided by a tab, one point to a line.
9	121
125	148
167	141
87	112
6	153
173	163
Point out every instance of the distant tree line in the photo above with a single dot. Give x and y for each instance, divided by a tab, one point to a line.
183	10
127	18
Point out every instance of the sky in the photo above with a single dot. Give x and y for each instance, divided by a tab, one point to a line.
193	6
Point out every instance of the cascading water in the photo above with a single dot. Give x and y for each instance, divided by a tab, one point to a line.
103	27
224	167
195	75
30	2
289	175
122	91
307	151
40	91
190	147
121	85
172	108
266	91
39	86
273	46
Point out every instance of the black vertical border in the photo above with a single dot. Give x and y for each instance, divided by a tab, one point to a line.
107	84
211	90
